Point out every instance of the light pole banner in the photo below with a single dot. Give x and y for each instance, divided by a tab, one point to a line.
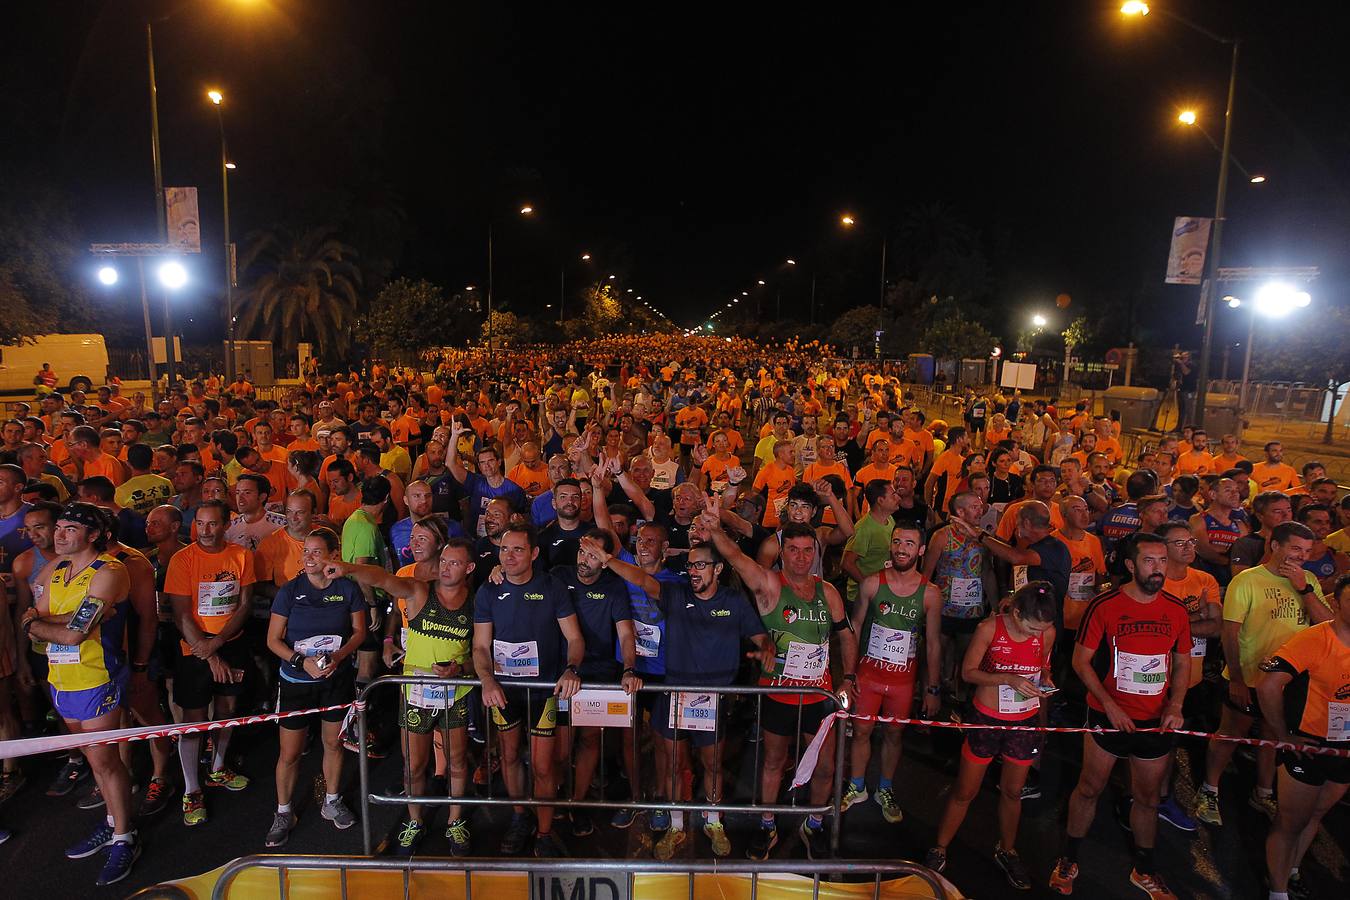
1190	240
185	226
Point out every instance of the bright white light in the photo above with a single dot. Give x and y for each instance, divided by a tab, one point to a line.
172	275
1258	179
1135	8
107	275
790	262
1278	299
996	352
1232	301
761	281
1038	320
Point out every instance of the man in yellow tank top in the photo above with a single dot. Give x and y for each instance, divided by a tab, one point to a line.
80	608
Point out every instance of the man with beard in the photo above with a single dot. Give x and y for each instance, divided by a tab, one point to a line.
485	485
845	447
541	510
559	539
487	549
800	612
1271	509
897	608
1133	657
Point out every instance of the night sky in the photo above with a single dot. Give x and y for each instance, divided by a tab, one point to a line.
692	148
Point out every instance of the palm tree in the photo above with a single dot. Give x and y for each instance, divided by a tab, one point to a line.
306	289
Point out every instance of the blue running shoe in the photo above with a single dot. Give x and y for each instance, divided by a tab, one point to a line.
121	856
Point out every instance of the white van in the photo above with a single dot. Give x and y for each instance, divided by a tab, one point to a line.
77	359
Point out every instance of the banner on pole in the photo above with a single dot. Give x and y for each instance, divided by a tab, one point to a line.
1186	259
185	225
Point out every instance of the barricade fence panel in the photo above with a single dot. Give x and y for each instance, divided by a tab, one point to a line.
689	711
839	878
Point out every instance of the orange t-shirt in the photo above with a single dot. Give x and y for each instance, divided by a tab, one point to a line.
1321	654
1276	477
339	508
1222	463
818	470
104	465
1007	523
776	480
715	470
1195	462
212	582
1195	590
278	557
871	472
533	481
1086	564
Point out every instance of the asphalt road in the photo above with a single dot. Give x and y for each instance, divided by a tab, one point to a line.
1213	863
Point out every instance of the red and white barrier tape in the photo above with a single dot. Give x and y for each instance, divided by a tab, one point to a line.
807	764
59	742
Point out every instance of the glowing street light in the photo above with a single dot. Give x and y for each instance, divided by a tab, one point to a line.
760	280
847	220
1258	179
215	97
1039	320
612	277
107	275
526	210
1135	8
172	275
791	262
586	257
231	166
1274	300
1186	117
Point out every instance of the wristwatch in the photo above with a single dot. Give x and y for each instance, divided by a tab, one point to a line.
1307	589
574	670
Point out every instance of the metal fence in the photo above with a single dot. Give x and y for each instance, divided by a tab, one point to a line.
368	797
626	872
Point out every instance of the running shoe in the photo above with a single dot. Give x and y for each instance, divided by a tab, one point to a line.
580	822
121	856
1153	885
458	835
670	842
1062	876
1298	888
815	840
230	781
1170	811
338	813
410	834
1207	807
766	838
92	800
156	798
517	833
548	846
1032	789
852	795
890	810
717	835
194	808
1013	868
71	774
1264	804
935	859
10	782
659	820
102	837
623	818
280	832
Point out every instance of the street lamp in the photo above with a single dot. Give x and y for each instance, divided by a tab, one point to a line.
847	221
1274	300
172	274
1140	9
218	100
107	275
525	210
1039	320
1186	117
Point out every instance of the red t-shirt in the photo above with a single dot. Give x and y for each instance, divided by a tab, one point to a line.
1133	643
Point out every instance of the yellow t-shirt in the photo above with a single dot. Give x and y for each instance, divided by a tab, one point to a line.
1271	612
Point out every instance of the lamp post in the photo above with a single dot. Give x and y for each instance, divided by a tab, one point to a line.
218	100
1141	9
160	222
524	211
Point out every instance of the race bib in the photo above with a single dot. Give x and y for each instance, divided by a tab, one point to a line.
217	598
806	662
403	638
1141	674
966	593
1013	702
430	696
1199	646
779	505
1019	578
1082	586
1338	721
648	639
515	660
890	645
319	643
691	711
63	654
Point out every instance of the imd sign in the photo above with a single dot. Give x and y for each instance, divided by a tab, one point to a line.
548	886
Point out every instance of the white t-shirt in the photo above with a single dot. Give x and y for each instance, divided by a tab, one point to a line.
250	534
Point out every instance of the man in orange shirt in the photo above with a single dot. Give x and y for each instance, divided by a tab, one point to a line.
775	480
344	497
1107	443
946	472
722	424
263	443
827	463
1228	457
918	443
278	557
277	474
1197	460
878	466
87	458
301	438
1087	563
1044	483
531	473
1274	474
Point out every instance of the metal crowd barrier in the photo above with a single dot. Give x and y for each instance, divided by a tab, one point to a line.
832	809
857	870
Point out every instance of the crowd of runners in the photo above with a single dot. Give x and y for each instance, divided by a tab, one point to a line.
654	510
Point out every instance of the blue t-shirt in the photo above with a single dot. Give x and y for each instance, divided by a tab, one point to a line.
13	539
528	614
481	494
542	511
703	637
599	607
401	533
316	612
558	546
648	621
1119	521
